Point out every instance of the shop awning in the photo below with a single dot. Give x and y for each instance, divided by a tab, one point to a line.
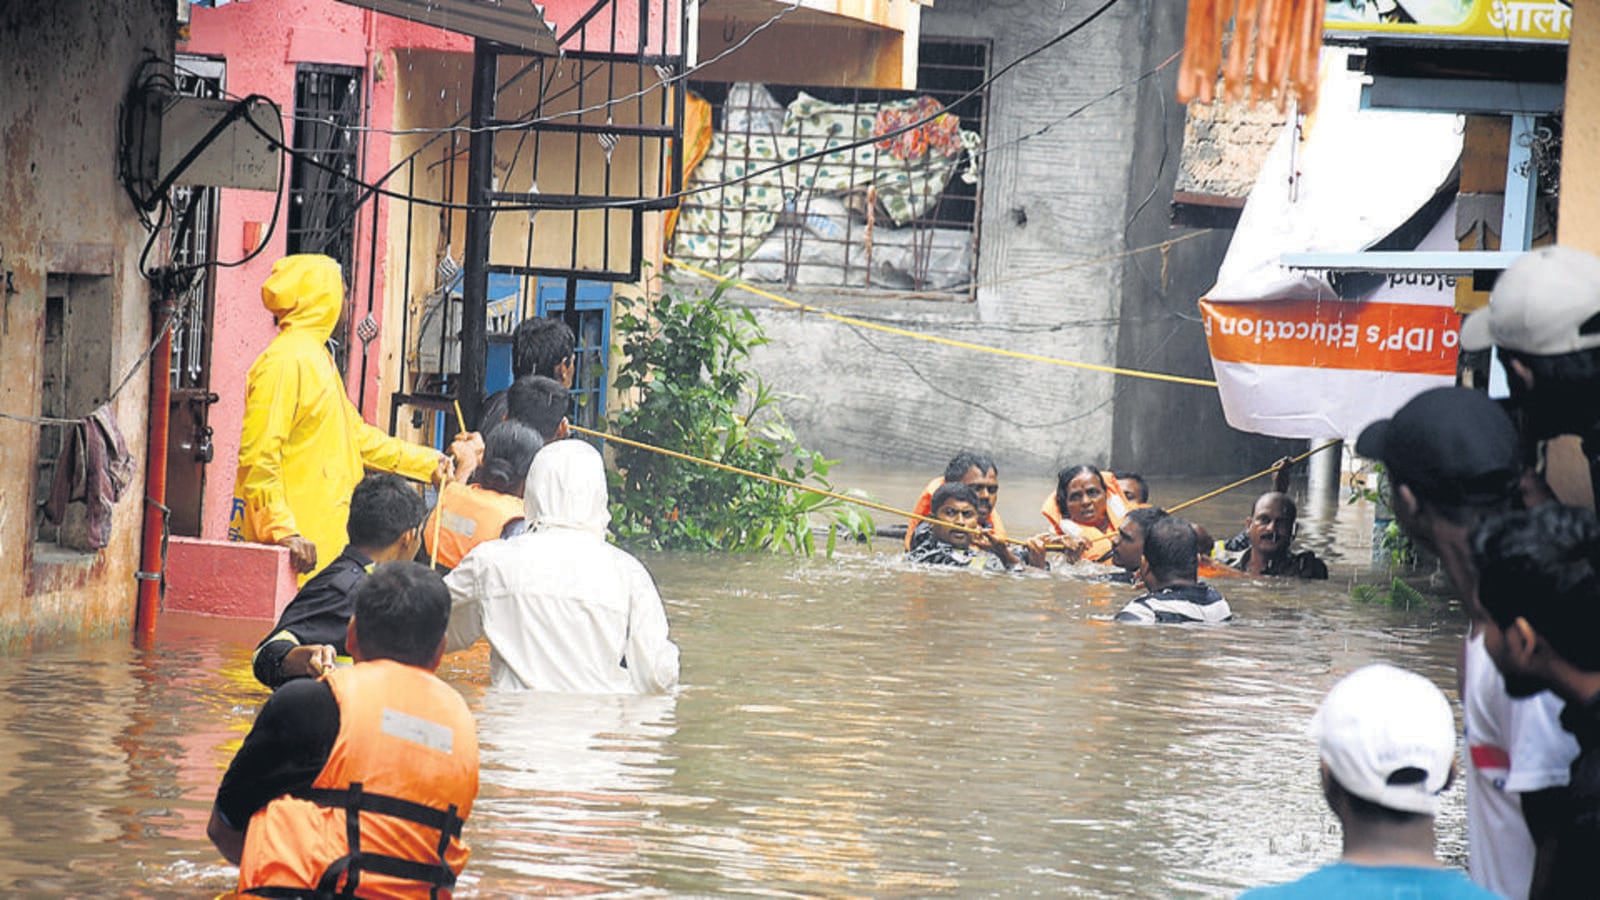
515	23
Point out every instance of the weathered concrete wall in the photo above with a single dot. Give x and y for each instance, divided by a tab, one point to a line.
65	68
1054	207
1162	427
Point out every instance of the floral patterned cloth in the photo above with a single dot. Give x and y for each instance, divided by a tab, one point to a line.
719	228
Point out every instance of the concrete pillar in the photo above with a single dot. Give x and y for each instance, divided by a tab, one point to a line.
1578	222
1323	471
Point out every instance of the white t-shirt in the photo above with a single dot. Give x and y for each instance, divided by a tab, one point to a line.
1514	746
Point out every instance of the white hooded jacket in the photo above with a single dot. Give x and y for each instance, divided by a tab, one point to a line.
562	609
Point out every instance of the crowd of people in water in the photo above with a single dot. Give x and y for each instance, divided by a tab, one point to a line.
361	768
1107	517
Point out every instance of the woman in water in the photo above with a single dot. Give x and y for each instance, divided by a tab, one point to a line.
489	505
1087	508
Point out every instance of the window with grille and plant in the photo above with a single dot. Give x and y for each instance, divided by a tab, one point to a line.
899	213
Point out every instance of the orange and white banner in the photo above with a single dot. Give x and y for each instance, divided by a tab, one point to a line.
1292	357
1335	334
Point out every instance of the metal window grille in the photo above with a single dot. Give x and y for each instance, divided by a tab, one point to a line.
592	347
845	240
199	78
52	403
322	204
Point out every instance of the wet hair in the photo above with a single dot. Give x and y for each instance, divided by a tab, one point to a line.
538	345
956	468
401	611
1544	566
538	401
507	453
1064	478
953	490
1289	505
1145	517
1144	486
383	507
1171	550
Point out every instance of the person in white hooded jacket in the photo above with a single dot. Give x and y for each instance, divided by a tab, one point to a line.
562	609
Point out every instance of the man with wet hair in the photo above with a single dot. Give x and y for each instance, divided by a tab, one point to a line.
970	468
939	544
1127	546
1174	591
1452	458
365	775
542	345
1387	741
541	404
384	525
1134	488
1270	530
1539	582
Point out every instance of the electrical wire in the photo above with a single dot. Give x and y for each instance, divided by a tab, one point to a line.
629	203
662	84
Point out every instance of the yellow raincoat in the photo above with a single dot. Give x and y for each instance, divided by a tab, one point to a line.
305	446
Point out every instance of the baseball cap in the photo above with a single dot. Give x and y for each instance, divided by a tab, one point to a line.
1546	303
1387	735
1448	444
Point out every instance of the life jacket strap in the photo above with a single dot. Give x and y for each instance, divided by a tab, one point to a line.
444	821
354	801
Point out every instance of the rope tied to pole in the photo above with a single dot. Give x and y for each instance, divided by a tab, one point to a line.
1249	478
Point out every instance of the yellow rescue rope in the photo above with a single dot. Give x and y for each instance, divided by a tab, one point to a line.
949	342
859	501
1248	478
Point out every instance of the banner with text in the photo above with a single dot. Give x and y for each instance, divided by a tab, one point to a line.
1466	20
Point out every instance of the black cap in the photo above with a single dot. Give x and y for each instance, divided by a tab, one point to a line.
1449	444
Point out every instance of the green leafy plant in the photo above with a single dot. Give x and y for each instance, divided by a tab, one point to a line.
1398	594
1373	488
687	358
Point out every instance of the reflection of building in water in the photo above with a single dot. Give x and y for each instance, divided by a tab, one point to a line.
567	783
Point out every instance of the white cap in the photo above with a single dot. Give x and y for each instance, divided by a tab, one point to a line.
1541	305
1388	736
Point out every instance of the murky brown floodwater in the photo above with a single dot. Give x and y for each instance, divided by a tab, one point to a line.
847	727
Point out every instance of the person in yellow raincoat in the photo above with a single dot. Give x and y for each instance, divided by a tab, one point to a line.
304	444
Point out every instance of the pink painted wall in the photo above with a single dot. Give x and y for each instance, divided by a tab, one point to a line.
233	580
661	37
262	44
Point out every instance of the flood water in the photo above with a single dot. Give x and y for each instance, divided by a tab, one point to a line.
847	727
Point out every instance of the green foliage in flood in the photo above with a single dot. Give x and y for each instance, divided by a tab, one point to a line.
1398	595
687	356
1395	545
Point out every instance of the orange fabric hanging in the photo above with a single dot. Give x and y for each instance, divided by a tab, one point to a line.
1272	51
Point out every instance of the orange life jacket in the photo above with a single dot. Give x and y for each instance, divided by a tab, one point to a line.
384	817
1099	538
471	515
924	507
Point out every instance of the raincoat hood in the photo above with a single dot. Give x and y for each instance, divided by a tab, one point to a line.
305	292
567	488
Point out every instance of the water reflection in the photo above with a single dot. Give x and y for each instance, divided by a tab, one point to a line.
568	784
853	727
